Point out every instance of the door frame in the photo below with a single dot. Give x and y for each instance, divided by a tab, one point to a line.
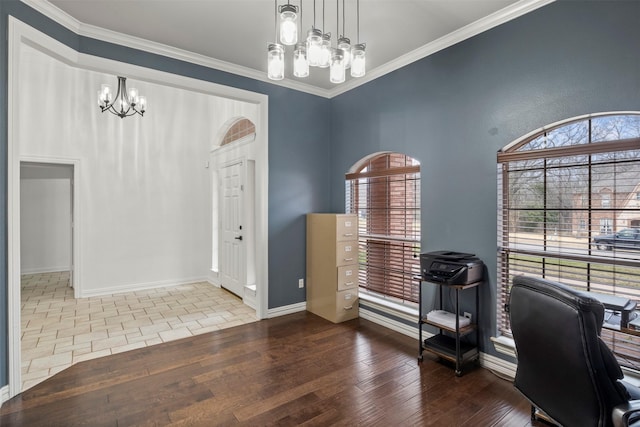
75	213
244	150
20	34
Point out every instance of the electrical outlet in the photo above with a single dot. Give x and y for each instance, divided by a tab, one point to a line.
467	315
301	283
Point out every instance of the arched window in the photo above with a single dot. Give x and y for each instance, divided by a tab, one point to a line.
238	129
384	191
568	211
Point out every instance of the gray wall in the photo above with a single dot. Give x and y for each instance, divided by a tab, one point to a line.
454	110
298	157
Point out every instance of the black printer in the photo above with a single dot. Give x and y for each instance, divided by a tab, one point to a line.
451	268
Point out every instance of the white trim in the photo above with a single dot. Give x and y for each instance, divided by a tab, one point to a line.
13	213
233	145
76	263
500	367
41	270
134	287
500	17
565	121
4	395
504	345
484	24
394	325
109	36
19	33
287	309
394	309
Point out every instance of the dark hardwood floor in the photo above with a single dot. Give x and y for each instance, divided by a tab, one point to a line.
291	370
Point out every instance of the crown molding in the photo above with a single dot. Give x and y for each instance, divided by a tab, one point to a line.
488	22
491	21
91	31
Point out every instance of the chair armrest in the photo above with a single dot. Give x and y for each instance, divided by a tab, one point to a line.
621	413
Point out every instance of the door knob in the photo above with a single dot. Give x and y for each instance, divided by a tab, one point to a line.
238	238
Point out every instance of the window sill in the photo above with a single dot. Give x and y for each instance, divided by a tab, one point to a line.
504	345
389	307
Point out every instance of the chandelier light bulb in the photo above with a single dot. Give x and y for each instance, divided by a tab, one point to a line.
314	45
104	95
336	72
358	66
142	103
300	63
344	44
325	51
288	25
275	61
133	96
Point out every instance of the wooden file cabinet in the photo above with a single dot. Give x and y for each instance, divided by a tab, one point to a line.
332	266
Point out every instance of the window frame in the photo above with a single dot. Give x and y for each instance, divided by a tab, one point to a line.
627	349
395	281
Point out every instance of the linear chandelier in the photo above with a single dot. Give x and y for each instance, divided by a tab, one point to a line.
125	103
316	49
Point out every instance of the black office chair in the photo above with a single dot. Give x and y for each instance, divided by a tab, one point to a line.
564	369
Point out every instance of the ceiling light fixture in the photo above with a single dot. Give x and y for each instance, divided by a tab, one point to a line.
300	60
358	58
275	54
344	43
316	50
125	103
288	24
336	72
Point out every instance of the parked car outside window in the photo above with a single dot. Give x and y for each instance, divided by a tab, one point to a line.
627	238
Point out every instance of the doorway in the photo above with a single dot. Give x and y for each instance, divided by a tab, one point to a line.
47	218
23	38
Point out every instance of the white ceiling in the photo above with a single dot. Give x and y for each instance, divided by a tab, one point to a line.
396	32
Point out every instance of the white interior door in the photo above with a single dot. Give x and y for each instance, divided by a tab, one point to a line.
232	247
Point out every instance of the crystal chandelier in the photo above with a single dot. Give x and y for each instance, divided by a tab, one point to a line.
124	103
316	50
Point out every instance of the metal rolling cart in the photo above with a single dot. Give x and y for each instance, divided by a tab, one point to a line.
458	272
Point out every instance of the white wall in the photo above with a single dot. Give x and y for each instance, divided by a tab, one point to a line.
144	190
45	220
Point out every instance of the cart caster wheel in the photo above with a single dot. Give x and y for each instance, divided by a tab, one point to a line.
420	359
458	373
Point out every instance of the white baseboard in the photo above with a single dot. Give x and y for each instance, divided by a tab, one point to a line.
394	325
286	309
4	394
249	297
214	278
43	270
134	287
500	367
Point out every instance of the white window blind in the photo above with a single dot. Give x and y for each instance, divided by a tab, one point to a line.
557	191
385	194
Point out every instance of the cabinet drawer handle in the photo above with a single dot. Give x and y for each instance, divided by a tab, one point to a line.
348	259
348	234
349	283
349	308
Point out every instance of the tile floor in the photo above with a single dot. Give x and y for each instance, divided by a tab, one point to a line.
58	330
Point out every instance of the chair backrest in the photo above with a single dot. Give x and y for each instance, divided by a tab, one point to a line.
564	368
